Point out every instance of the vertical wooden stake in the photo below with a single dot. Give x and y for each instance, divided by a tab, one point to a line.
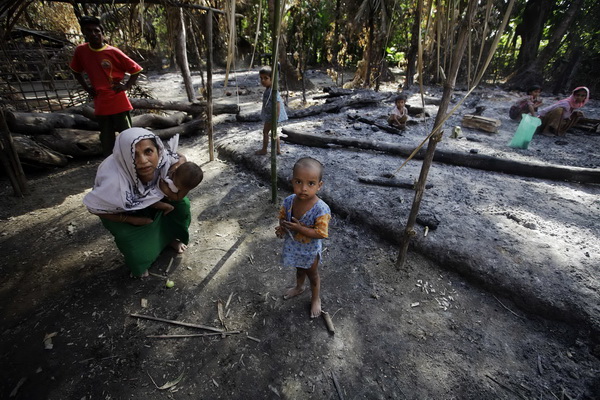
181	54
209	84
274	92
10	159
412	218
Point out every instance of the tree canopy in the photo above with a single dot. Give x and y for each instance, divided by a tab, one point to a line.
554	43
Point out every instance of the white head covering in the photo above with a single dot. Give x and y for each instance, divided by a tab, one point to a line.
171	145
117	187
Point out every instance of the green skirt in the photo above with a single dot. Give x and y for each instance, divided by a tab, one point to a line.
141	245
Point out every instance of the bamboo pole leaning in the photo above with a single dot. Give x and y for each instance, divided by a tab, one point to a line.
441	118
436	134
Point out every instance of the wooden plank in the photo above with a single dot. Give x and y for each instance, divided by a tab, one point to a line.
486	124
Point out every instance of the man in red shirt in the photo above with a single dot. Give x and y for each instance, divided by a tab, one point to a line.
105	67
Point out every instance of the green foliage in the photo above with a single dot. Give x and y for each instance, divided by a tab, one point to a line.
394	56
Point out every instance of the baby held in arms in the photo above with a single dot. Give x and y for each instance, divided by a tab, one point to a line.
176	184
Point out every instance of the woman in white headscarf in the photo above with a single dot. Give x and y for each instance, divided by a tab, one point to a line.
125	190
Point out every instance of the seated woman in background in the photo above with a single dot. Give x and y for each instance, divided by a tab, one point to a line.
125	194
562	115
526	105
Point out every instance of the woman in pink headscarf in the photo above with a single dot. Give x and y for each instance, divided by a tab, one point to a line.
562	115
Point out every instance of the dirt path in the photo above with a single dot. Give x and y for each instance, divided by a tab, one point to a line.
422	333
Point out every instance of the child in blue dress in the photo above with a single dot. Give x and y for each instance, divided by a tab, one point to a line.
266	113
303	223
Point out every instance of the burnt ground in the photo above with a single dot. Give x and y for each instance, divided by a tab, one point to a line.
500	302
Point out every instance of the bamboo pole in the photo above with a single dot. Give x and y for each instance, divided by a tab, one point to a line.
469	45
488	11
230	10
209	84
438	23
274	103
260	3
420	190
436	134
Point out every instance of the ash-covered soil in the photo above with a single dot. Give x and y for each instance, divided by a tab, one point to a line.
499	302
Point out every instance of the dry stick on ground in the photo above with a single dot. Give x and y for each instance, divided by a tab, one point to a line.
328	322
506	387
191	335
338	388
169	321
508	309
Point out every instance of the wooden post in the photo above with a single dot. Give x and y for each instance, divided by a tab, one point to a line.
181	54
209	84
10	159
274	92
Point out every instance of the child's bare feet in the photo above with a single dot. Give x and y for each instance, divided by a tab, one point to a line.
178	246
293	292
260	152
315	307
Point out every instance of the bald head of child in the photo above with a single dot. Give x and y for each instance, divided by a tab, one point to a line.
309	163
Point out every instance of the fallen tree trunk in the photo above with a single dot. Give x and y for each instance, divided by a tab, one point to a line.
416	111
191	128
158	121
44	123
477	161
436	101
37	155
194	109
369	121
84	110
73	142
82	143
333	107
390	181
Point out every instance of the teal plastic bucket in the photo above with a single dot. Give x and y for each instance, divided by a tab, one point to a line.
525	132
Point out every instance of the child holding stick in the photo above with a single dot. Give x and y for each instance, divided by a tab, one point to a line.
303	223
266	113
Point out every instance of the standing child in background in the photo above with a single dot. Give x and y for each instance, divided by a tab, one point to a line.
105	67
303	223
559	117
527	104
399	114
266	113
